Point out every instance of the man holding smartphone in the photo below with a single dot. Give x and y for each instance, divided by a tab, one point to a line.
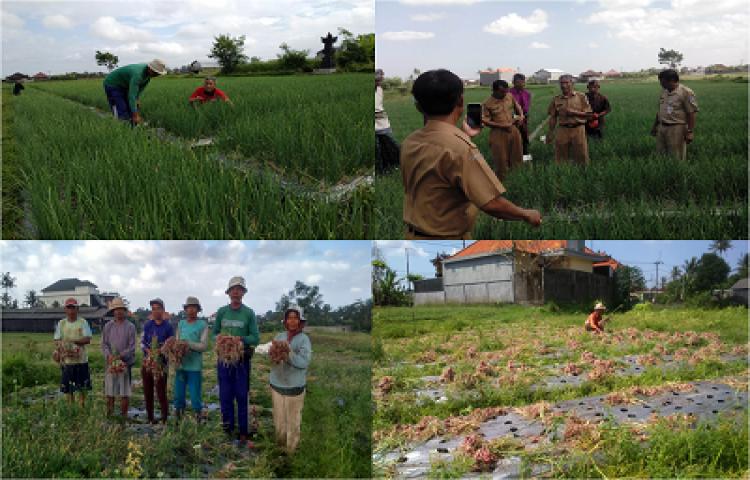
503	114
446	179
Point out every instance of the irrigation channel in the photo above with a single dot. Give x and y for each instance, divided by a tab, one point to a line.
331	193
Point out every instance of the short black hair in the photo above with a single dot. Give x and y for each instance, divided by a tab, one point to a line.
593	82
519	76
437	91
670	75
499	83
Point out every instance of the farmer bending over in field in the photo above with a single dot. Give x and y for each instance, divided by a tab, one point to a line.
208	93
124	87
118	345
600	106
157	326
446	179
236	319
675	121
76	333
289	378
595	322
189	373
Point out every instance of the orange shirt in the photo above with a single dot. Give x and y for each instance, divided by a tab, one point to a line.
595	320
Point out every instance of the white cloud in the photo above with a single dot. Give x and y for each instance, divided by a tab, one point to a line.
407	36
314	279
111	29
516	26
538	45
427	17
57	21
593	45
12	21
439	2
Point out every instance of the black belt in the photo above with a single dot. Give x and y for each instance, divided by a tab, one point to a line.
412	229
670	124
576	125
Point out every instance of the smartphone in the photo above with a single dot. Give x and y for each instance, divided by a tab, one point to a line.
474	115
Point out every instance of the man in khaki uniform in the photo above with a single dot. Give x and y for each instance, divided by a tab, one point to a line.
502	113
673	127
446	179
571	110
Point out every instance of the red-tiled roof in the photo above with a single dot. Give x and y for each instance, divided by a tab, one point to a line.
501	70
611	263
529	246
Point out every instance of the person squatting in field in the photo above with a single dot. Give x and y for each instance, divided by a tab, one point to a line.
600	106
386	147
208	93
157	326
74	330
118	347
503	115
446	179
189	373
236	319
595	322
570	110
675	120
523	98
288	379
125	85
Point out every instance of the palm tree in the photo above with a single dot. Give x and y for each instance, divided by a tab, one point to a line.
689	267
32	300
720	246
7	283
676	272
742	267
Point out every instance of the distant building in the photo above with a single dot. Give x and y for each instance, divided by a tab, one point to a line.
612	74
486	77
547	75
589	75
85	292
16	76
522	271
40	76
739	291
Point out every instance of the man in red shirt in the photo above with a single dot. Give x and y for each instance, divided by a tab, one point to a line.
208	93
595	322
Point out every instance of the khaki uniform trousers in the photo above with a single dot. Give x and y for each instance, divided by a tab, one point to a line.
571	145
670	140
507	150
287	418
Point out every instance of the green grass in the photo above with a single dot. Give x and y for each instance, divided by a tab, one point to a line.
98	178
628	191
335	439
12	200
317	126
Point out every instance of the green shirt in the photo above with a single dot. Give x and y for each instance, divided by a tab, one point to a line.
70	331
238	323
191	332
132	78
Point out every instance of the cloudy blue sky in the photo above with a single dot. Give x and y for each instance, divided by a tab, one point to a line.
62	36
574	35
631	252
172	270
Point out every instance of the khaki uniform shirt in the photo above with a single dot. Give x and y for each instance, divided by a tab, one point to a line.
500	111
674	106
446	180
577	101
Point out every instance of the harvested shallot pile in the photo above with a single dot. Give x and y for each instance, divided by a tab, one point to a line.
279	351
153	362
175	350
476	447
229	349
66	350
117	366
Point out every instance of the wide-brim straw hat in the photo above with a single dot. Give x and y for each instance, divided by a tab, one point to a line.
158	66
599	306
236	282
116	303
192	301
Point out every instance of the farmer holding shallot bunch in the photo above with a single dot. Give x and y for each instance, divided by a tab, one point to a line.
72	334
189	365
118	347
155	369
237	335
290	354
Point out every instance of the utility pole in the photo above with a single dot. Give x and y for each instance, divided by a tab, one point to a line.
408	281
657	263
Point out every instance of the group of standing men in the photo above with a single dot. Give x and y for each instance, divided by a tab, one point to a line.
118	346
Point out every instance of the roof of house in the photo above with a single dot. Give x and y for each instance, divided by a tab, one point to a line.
51	313
611	263
741	283
552	70
67	285
488	247
590	73
501	70
613	72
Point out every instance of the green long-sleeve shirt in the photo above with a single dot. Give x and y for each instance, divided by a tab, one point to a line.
239	323
132	78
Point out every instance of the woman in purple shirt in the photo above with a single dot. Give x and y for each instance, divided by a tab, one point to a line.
523	98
